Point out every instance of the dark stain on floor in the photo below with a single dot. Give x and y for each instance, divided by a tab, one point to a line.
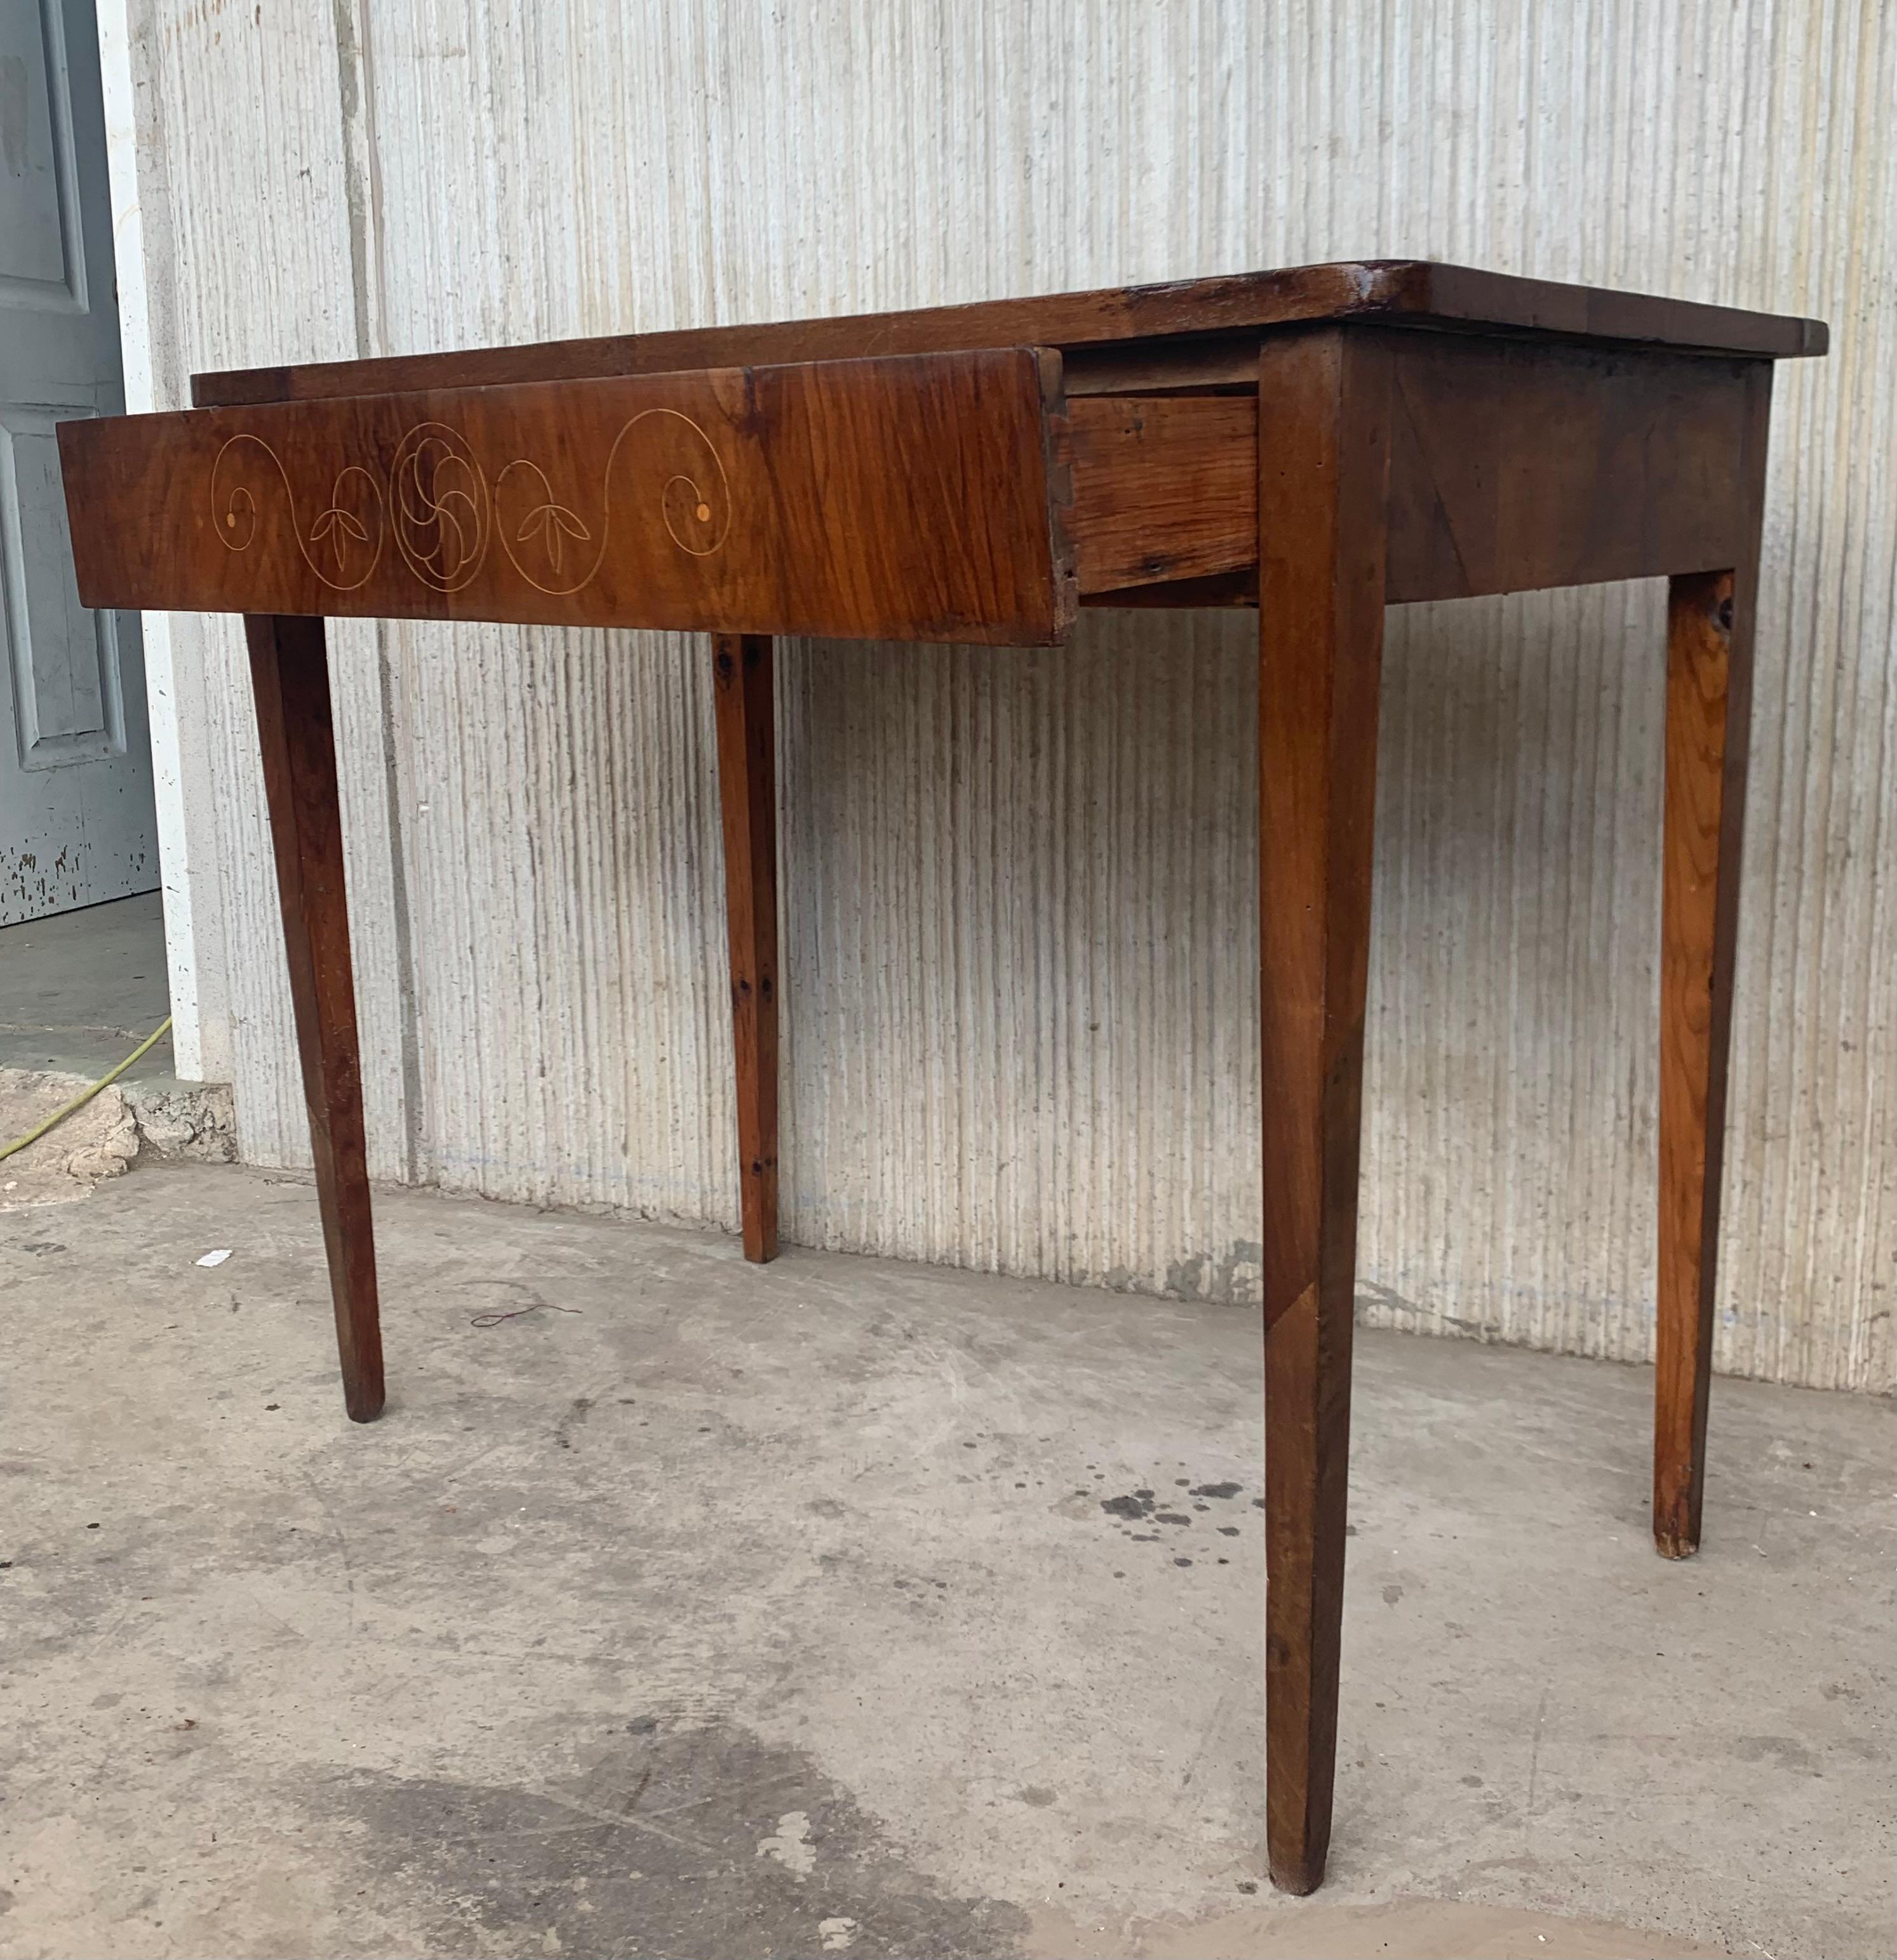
1141	1506
669	1843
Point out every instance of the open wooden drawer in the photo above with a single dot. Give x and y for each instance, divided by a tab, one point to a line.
928	497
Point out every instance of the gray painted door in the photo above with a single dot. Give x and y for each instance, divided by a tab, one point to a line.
76	818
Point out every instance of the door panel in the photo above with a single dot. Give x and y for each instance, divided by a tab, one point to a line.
76	819
35	217
67	691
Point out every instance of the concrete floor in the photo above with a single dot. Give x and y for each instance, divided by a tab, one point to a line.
697	1609
79	991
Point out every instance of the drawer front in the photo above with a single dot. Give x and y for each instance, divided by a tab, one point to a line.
916	497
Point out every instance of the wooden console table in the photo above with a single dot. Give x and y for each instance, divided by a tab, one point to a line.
1318	442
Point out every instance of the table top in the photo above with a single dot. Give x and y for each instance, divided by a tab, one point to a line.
1184	314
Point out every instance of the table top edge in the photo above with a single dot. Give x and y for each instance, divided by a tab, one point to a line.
1403	292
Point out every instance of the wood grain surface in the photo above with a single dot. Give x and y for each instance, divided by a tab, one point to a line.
289	677
1324	442
1710	619
917	498
1518	466
1699	634
1165	488
742	690
1454	298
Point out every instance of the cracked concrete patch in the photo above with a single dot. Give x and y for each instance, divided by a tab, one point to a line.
183	1122
98	1141
126	1123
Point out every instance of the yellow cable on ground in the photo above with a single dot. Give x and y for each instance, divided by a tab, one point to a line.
85	1095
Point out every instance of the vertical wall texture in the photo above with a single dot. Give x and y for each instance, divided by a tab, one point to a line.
1021	887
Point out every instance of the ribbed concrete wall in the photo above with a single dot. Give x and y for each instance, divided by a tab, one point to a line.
1021	887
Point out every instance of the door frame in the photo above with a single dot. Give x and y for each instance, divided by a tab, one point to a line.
200	1027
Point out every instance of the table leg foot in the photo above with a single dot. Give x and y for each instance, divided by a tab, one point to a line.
290	678
1307	1369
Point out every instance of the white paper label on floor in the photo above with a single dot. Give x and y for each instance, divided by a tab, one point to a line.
216	1258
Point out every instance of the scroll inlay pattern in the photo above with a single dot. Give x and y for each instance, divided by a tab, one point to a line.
444	514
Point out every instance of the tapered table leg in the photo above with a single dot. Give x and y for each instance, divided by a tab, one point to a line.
290	676
1708	690
1324	461
1697	933
1709	668
747	793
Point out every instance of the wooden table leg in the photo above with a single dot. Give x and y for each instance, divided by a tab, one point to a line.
1709	687
1697	935
747	793
290	676
1324	466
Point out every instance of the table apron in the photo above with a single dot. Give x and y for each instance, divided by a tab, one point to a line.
957	497
1514	466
